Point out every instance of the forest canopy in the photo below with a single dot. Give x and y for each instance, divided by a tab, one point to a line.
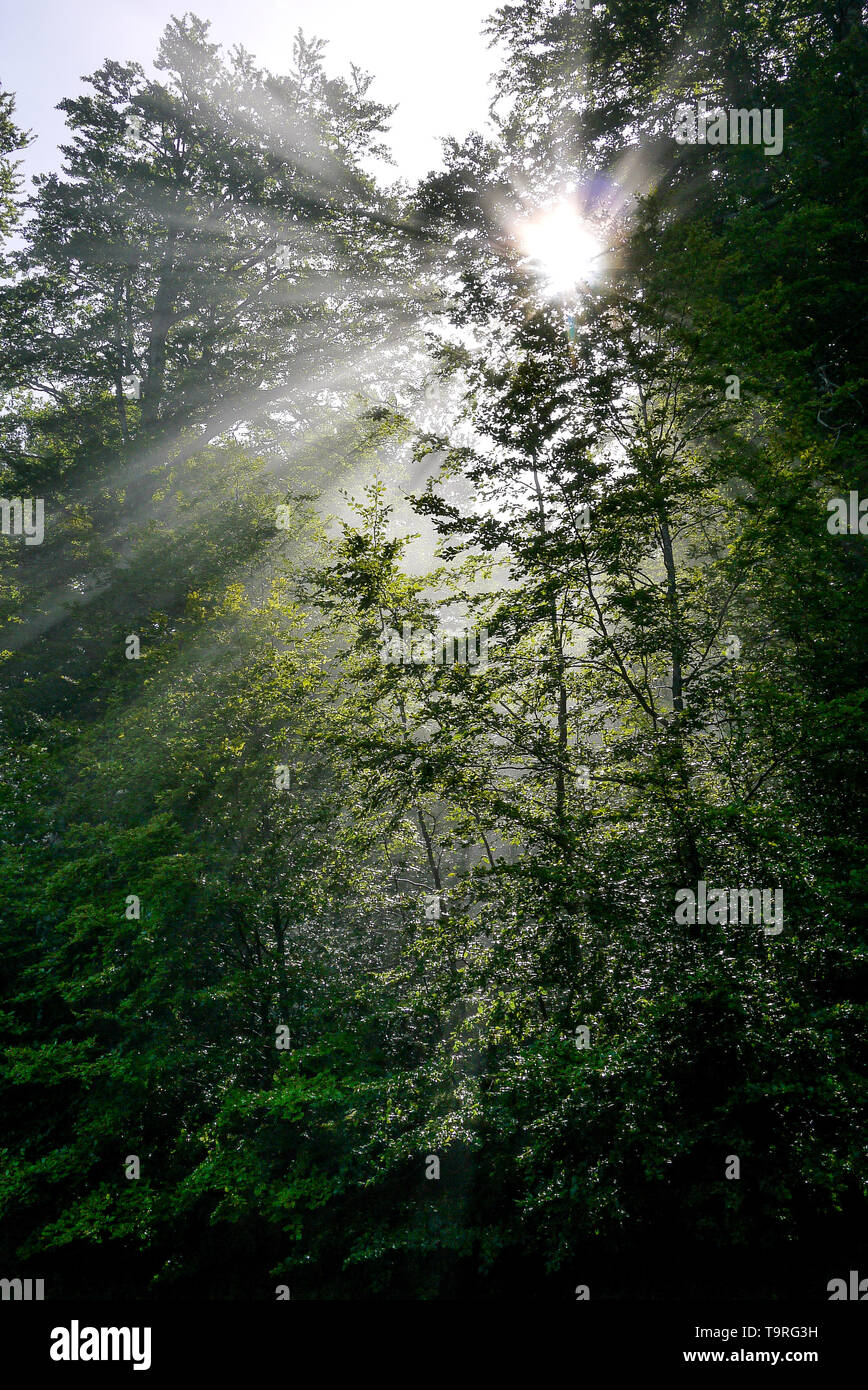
433	671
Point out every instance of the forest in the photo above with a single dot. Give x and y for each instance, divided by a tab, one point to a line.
433	672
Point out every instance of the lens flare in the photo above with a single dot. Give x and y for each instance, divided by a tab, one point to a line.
563	247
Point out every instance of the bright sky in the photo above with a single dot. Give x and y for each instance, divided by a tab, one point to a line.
431	59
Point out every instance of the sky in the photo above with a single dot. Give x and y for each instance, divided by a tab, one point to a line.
430	59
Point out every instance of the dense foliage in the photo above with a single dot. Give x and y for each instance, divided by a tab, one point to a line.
287	921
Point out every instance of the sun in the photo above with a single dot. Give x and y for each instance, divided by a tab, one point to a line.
563	245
